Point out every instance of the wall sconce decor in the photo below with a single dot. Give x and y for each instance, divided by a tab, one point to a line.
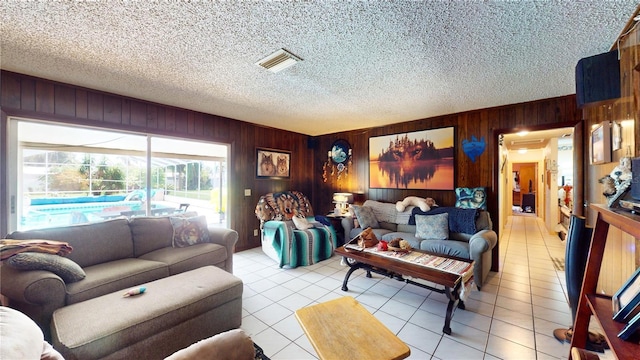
338	160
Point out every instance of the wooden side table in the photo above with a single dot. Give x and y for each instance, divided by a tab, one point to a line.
344	329
336	222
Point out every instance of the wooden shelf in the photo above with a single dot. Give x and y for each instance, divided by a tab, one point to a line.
600	306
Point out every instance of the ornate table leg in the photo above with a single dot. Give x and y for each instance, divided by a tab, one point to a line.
454	299
353	266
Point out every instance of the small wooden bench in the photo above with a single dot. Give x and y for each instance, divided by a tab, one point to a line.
344	329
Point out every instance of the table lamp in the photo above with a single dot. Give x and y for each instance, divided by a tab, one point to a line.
342	201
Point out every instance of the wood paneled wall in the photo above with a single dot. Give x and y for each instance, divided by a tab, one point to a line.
621	252
35	98
31	97
480	124
483	124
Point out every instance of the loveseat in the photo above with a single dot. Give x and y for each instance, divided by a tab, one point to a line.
113	255
291	234
466	233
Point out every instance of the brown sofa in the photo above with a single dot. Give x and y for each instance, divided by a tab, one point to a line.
115	254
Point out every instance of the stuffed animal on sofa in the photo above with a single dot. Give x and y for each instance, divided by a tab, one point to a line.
423	204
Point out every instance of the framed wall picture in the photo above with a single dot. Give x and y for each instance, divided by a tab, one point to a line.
601	143
616	136
630	329
273	164
626	301
415	160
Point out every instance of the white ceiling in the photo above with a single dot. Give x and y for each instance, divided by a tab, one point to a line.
537	139
365	63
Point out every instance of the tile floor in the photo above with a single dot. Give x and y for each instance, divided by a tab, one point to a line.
513	317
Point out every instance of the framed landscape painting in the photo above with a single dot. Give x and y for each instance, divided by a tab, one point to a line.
415	160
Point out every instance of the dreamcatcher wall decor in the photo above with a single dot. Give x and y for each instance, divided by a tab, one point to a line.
338	160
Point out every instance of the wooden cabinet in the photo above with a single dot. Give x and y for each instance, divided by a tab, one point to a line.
516	198
600	306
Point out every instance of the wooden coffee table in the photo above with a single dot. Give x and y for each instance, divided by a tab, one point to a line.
344	329
394	268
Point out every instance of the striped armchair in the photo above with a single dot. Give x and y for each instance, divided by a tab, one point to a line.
291	234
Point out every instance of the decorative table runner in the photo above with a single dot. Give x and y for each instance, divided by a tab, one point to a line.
462	268
453	266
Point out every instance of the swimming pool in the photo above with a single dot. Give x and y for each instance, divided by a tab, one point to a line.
54	215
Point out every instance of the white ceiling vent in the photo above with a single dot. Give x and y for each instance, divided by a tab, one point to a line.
278	61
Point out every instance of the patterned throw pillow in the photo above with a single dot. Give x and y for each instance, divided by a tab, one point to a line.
471	198
189	231
64	267
365	217
432	227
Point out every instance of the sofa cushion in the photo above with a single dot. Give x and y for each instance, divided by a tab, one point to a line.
113	276
382	211
230	345
68	270
483	222
189	231
365	217
432	227
388	225
410	237
447	247
460	220
150	233
188	258
380	233
92	243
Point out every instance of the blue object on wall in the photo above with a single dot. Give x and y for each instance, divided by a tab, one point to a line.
473	148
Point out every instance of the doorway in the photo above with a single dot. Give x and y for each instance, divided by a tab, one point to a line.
524	188
530	172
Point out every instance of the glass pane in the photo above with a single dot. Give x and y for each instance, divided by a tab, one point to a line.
71	175
192	174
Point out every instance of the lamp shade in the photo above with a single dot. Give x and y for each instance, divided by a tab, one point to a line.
343	198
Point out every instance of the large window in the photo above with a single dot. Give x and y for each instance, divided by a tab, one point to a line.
67	175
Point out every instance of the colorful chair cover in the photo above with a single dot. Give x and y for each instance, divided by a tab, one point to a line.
285	243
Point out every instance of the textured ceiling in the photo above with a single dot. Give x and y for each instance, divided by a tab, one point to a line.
365	63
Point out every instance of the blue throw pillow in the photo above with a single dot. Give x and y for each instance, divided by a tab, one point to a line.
432	227
460	220
365	217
